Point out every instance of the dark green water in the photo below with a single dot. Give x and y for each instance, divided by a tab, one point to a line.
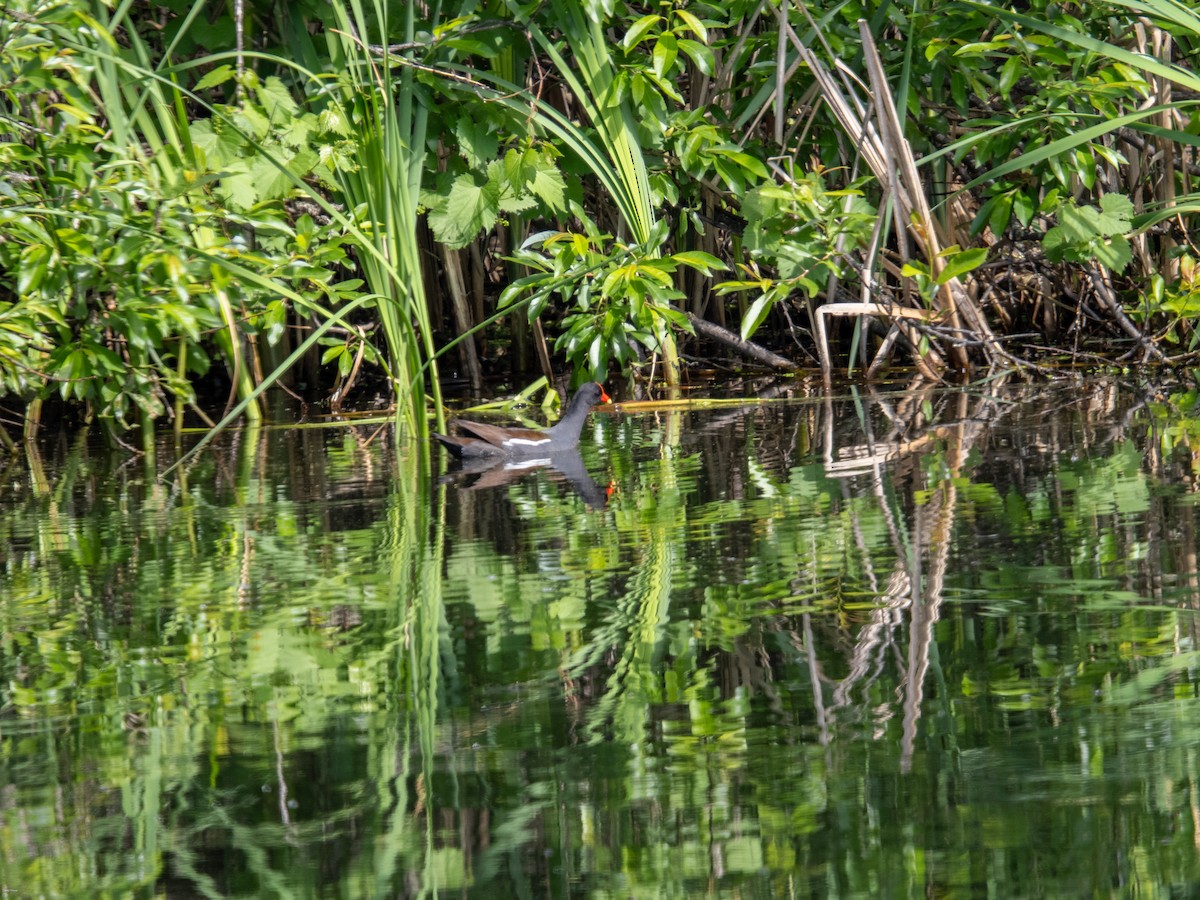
896	645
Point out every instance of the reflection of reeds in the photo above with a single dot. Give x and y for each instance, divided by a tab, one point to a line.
917	579
416	654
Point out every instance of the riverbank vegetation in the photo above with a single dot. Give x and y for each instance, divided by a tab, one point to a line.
356	202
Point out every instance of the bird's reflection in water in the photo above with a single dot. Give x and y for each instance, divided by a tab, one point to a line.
485	473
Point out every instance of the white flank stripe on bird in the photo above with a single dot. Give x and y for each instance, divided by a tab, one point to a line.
527	464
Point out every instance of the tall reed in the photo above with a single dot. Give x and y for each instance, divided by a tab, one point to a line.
390	122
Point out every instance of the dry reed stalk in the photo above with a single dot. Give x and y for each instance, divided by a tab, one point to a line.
1168	262
955	302
457	288
851	114
880	141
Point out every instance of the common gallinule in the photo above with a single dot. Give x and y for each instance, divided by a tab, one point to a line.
480	440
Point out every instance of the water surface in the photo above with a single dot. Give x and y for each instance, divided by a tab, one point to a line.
876	644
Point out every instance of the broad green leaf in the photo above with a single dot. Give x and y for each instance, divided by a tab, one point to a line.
961	263
1118	213
469	209
297	130
512	293
666	50
693	23
1001	212
270	183
251	121
597	355
302	163
549	187
700	54
733	287
1010	72
477	143
238	187
220	143
638	31
32	271
705	263
750	163
276	99
794	260
333	120
1085	167
982	47
754	316
516	204
1115	254
1023	207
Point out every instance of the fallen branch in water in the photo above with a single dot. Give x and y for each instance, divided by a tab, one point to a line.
748	349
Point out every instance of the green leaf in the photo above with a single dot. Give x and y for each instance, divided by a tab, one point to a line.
549	186
794	260
276	100
1118	213
961	263
1001	212
220	143
252	122
736	287
302	163
1010	73
705	263
666	51
1085	233
516	205
469	209
237	187
512	293
755	314
700	55
275	320
270	183
638	31
746	161
1023	207
32	271
297	130
217	76
696	26
477	143
1115	254
1085	167
597	356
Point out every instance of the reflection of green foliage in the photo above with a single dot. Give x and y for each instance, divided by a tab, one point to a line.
625	697
176	656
